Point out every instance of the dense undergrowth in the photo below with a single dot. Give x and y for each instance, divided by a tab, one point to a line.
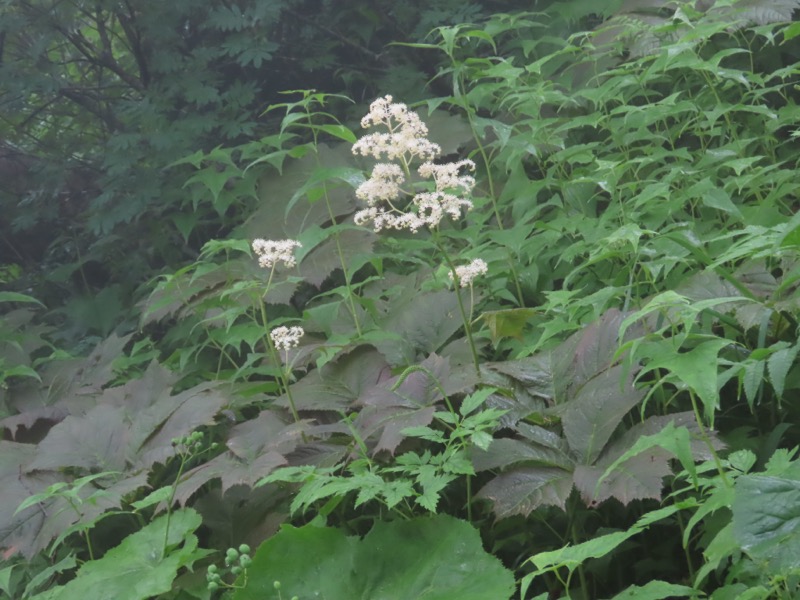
605	407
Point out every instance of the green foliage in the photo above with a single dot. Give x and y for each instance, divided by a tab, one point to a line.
612	402
433	557
137	569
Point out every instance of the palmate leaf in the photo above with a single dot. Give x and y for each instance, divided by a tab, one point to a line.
596	411
338	385
587	353
403	402
434	558
32	529
18	530
653	443
131	427
323	259
541	464
255	449
522	490
423	322
529	379
503	452
278	196
199	287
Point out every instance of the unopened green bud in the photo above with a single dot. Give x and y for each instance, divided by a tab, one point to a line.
244	549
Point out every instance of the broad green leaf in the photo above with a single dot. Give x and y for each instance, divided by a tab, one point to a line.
719	549
155	497
66	563
697	368
713	197
136	568
766	520
17	297
778	365
435	558
657	590
507	323
572	556
5	579
19	371
339	131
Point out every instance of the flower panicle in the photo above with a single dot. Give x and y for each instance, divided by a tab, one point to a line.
406	141
467	273
286	338
272	252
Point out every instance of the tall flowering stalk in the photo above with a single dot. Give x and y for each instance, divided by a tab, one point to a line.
309	101
270	254
397	198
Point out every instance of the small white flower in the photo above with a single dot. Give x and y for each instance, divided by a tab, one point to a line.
447	177
270	252
383	184
467	273
285	338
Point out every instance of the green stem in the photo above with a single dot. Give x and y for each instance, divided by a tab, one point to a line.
284	371
704	435
467	319
85	532
686	553
350	303
469	498
332	216
169	504
285	377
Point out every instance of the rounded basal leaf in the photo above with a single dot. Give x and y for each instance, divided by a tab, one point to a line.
435	558
766	520
137	569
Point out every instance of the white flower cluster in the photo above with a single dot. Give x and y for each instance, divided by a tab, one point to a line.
271	252
285	338
467	273
407	133
382	192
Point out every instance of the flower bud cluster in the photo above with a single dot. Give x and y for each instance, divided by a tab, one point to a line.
383	192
